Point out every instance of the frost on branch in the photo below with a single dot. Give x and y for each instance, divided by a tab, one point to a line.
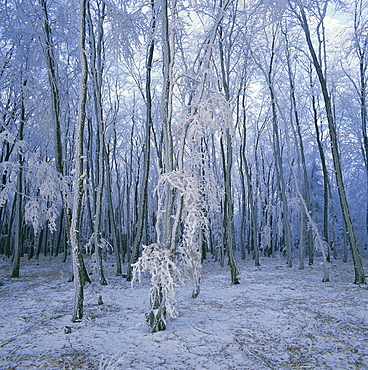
42	198
42	206
178	266
159	262
89	247
7	189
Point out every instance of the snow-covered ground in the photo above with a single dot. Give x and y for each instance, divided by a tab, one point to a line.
277	318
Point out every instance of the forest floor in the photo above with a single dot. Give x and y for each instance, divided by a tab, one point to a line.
276	318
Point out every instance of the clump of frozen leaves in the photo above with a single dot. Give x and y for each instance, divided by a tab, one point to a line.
164	272
43	205
43	193
168	267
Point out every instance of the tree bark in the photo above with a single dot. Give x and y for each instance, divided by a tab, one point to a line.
79	277
96	70
18	243
48	50
349	228
147	150
305	231
278	157
227	161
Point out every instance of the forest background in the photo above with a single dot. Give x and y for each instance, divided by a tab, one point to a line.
192	128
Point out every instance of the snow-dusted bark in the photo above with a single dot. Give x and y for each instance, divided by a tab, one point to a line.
78	264
49	54
349	228
18	243
96	65
142	207
278	157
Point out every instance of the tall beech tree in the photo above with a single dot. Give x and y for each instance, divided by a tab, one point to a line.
147	146
18	243
96	36
78	263
348	224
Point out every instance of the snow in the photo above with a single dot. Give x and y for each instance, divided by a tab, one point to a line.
277	318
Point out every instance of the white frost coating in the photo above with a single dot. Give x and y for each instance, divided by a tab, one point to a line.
168	268
43	206
43	199
164	272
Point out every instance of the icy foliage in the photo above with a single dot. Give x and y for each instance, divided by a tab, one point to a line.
8	188
8	169
214	112
167	268
43	195
160	263
43	206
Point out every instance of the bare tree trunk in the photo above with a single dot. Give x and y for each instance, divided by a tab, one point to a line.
279	165
166	123
253	207
305	232
48	50
79	277
227	161
96	70
361	47
112	221
18	243
228	233
147	150
349	228
326	181
157	316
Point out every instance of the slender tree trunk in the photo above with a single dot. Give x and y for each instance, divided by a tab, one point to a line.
305	232
362	51
166	123
112	220
157	315
79	277
96	70
279	165
229	207
48	49
147	150
227	161
18	243
253	207
349	228
326	181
